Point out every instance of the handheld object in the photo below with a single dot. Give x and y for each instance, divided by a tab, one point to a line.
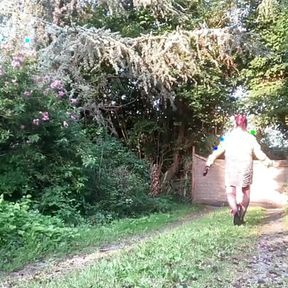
206	170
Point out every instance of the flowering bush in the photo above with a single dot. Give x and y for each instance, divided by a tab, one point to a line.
69	170
40	143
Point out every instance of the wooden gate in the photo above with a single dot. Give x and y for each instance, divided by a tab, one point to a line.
269	186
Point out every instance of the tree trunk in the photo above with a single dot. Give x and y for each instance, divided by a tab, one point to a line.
155	173
170	173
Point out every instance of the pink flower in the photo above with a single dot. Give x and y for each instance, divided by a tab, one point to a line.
44	116
47	79
27	93
73	101
16	64
57	85
61	93
36	122
19	58
17	61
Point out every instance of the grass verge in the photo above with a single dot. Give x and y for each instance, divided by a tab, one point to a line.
87	238
197	254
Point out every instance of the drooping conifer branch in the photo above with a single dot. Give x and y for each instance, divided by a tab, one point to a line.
161	62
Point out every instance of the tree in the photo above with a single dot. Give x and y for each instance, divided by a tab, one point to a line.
160	90
266	74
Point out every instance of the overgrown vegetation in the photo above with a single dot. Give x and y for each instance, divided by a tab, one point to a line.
266	74
194	255
67	171
27	235
54	172
102	101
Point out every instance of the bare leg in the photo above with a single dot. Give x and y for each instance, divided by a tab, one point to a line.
231	198
246	198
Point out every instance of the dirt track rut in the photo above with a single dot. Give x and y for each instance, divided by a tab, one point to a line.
268	266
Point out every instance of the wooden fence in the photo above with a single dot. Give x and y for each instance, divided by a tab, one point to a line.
269	186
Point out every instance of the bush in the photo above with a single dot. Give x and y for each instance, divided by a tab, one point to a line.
119	183
28	230
41	144
69	171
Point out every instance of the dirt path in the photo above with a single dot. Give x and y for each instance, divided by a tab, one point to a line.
268	266
54	268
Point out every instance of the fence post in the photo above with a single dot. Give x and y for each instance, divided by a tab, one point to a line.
193	175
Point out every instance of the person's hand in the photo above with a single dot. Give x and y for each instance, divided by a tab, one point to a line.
206	170
276	164
269	163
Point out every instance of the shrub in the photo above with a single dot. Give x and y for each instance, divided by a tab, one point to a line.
70	170
41	143
31	126
28	230
119	183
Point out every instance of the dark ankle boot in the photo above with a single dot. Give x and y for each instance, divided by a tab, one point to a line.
237	220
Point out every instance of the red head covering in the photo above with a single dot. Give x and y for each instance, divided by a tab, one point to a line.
241	121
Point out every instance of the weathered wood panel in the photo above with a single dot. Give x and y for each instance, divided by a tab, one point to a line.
268	188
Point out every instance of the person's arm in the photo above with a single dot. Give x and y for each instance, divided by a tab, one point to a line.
217	153
260	155
211	158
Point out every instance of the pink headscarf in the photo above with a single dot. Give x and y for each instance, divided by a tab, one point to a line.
241	121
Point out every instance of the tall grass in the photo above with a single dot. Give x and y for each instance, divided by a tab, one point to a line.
80	239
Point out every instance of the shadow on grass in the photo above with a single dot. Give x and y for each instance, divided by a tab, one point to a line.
255	216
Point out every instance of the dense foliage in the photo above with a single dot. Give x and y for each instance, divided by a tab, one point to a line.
23	229
41	144
266	75
161	90
46	153
104	111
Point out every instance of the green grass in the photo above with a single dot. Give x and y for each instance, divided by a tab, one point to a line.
196	254
88	238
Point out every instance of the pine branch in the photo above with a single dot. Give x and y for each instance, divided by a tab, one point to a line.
153	61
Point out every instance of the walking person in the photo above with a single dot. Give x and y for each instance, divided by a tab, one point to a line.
239	147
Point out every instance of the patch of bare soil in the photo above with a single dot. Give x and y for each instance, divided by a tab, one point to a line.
268	266
57	267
